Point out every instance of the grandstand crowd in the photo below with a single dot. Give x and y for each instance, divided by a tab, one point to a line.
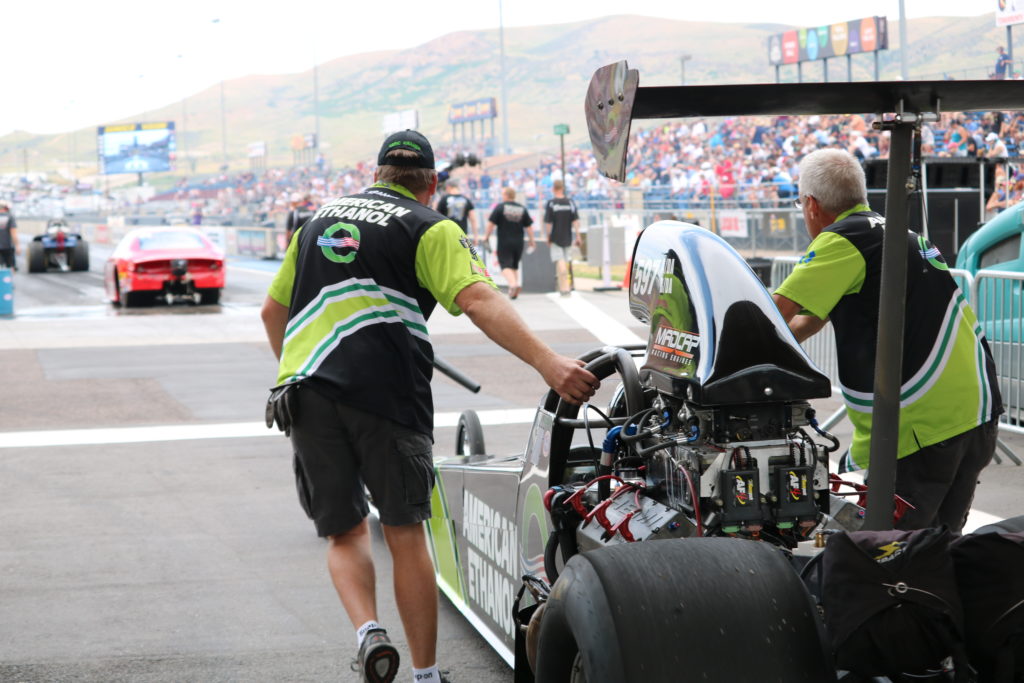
739	162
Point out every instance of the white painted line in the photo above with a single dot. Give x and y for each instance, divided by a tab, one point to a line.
512	416
232	430
595	321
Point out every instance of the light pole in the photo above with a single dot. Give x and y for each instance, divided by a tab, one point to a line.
316	107
504	92
903	42
683	59
183	129
223	122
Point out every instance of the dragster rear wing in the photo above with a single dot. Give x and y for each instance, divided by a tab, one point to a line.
614	99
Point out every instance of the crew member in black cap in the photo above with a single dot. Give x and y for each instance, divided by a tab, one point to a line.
346	316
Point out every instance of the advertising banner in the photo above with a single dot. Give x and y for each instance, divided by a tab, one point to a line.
732	224
1009	12
475	110
822	42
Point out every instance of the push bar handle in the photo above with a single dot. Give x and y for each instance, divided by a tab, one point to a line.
453	373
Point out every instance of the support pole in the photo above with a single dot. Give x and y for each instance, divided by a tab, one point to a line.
885	420
1009	52
223	129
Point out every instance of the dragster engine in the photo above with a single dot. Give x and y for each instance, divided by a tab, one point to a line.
725	442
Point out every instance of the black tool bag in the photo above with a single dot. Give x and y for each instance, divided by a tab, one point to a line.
990	575
891	603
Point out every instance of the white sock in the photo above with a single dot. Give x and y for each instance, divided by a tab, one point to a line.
363	630
428	675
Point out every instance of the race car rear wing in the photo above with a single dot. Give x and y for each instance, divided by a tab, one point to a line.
614	99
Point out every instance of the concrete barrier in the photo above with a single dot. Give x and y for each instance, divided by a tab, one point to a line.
243	241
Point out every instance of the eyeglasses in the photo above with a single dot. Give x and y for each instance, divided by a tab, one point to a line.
798	202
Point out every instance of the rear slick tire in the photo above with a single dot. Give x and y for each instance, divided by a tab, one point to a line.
80	256
698	609
36	257
208	297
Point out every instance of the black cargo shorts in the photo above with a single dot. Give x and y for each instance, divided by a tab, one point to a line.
339	449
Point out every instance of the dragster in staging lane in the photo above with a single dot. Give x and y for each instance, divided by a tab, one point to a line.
708	446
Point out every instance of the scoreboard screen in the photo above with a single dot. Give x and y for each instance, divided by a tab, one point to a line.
136	147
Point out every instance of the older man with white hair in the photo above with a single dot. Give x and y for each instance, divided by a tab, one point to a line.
949	396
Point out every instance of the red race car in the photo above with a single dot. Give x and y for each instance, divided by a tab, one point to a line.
174	264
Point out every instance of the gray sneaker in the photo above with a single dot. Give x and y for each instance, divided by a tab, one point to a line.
378	658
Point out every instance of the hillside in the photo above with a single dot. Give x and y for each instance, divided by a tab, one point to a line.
548	68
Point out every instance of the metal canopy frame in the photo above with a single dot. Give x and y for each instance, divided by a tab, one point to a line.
614	99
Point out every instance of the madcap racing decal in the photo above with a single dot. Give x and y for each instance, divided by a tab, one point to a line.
328	243
675	345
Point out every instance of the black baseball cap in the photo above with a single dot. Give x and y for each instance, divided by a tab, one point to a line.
409	140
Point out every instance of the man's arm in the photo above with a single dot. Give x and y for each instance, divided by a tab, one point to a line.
802	326
496	317
14	241
490	229
275	320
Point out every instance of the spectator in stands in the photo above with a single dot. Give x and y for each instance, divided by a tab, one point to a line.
1004	67
995	147
956	138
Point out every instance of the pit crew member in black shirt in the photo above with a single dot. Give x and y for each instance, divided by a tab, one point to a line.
562	224
511	220
346	316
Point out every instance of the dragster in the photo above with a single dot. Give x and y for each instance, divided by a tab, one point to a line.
662	537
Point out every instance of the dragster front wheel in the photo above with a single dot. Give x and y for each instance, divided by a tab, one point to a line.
469	436
697	609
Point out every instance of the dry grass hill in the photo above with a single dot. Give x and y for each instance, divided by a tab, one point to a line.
548	68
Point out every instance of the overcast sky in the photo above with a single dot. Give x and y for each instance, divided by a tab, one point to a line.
86	64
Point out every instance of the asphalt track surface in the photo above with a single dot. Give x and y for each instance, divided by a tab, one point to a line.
150	527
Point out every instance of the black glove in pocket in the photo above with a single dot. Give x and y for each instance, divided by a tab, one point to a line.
280	407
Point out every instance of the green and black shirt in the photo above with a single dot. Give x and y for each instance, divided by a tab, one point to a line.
360	280
949	381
